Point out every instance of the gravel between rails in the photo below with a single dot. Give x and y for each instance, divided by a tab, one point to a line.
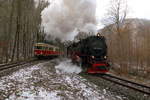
127	93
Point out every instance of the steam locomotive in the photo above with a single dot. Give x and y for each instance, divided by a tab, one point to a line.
90	53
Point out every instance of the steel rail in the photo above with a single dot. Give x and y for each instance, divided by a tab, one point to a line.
12	65
7	64
126	83
125	80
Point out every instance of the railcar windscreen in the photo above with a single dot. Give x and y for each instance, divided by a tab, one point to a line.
38	47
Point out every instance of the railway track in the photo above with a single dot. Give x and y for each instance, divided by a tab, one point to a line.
126	83
13	65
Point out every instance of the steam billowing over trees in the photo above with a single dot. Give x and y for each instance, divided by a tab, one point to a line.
63	18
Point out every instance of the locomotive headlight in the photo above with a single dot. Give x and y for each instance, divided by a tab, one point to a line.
105	57
92	57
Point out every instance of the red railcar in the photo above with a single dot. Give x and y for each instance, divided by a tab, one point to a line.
42	50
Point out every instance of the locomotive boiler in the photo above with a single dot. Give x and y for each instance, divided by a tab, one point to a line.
90	53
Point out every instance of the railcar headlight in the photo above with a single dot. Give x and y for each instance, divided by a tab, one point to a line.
105	57
92	57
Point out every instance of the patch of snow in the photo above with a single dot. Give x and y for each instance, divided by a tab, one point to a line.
119	97
41	95
21	76
104	90
40	82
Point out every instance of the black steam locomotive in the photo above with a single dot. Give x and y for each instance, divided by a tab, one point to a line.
90	53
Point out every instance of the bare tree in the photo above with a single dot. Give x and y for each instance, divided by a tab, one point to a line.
118	26
20	22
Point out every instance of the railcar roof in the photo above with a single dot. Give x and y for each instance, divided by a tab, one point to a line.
45	44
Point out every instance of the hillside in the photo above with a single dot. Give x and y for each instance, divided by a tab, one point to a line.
129	48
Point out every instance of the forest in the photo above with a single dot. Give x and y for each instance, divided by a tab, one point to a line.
19	28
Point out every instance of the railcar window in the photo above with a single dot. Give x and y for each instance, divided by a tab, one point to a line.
38	47
50	48
46	48
57	49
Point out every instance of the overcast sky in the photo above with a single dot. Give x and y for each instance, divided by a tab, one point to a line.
137	8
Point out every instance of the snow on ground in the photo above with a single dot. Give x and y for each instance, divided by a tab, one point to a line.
43	82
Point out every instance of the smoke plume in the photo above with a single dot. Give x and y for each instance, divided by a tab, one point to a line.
63	18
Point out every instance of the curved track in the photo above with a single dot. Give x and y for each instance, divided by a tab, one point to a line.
126	83
13	65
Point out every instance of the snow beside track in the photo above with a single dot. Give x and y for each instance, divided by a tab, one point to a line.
44	82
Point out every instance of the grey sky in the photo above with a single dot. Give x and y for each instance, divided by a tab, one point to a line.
137	8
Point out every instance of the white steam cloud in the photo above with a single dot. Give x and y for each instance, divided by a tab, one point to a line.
62	18
67	67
